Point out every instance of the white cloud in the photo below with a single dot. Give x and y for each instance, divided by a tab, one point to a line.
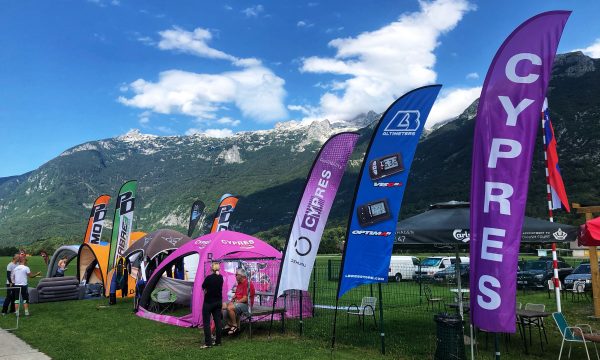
216	133
331	30
228	7
592	50
451	103
304	24
194	43
253	11
385	63
472	76
304	110
228	121
255	91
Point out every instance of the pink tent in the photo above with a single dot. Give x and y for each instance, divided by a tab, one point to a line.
233	250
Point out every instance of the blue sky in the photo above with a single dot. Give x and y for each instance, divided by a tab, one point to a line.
76	71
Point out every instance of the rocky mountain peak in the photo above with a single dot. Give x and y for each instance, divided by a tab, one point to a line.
573	64
135	135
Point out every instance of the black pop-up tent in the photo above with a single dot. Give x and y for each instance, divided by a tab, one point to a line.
448	224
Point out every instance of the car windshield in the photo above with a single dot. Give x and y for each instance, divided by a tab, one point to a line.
431	262
582	269
535	265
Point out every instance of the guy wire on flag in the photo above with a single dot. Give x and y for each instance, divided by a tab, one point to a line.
555	279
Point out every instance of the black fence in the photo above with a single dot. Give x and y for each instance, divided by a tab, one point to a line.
409	306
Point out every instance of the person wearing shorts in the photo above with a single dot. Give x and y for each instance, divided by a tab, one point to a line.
239	303
20	276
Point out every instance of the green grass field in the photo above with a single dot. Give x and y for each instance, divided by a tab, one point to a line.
89	329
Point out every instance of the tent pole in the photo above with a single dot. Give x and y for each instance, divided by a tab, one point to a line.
458	284
382	333
301	311
496	346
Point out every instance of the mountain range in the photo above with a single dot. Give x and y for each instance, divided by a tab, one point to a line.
268	168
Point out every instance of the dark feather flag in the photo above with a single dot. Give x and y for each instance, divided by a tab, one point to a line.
195	215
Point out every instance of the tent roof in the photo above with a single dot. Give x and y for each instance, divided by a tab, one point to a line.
448	224
156	242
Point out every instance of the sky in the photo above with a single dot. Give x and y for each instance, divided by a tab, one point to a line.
78	71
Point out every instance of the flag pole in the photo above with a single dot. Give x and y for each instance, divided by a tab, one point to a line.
555	278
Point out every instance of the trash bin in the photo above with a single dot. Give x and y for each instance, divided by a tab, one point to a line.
450	343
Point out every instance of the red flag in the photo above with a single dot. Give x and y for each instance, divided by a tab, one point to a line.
557	186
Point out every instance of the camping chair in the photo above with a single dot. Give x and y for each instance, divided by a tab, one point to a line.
551	287
536	322
367	308
430	299
162	300
578	290
575	334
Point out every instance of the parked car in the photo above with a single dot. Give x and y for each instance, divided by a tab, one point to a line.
432	265
537	273
402	267
449	274
581	273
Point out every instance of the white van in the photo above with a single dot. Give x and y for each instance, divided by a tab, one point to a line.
431	265
402	267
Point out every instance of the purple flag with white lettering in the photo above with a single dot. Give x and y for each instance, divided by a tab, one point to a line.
505	131
309	222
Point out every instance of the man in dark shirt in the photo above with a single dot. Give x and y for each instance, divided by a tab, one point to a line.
213	297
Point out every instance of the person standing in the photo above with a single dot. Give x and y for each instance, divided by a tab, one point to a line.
20	276
10	293
213	297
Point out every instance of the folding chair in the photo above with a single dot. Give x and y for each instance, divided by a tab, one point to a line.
430	299
575	333
162	300
536	322
578	290
367	308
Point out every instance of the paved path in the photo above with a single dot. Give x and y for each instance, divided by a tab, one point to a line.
11	347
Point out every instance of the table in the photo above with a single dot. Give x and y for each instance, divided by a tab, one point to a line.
530	315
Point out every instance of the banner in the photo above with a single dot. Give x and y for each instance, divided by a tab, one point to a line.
195	214
376	206
558	193
93	233
312	212
224	211
123	222
504	139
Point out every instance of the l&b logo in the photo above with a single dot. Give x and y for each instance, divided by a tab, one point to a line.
405	122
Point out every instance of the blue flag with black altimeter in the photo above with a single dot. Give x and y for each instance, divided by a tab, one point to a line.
378	197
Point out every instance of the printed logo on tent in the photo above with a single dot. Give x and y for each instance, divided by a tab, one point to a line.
244	244
461	235
559	234
126	203
172	240
202	243
405	122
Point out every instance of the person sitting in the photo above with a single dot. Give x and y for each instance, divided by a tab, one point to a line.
62	266
239	303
